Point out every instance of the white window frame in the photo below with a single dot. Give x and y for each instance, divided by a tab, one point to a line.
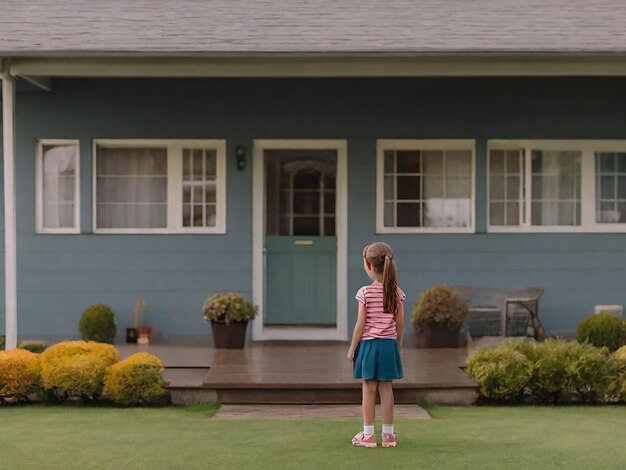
588	149
174	184
411	144
39	188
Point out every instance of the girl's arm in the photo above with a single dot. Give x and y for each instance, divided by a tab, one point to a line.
400	323
358	331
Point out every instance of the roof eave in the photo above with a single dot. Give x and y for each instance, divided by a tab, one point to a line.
331	64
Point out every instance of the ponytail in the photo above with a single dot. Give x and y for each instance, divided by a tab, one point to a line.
390	286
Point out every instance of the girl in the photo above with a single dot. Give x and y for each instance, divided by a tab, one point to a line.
378	332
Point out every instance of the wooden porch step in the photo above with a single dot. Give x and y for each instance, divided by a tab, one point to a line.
334	396
290	394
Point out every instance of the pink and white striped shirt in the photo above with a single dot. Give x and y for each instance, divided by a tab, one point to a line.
378	323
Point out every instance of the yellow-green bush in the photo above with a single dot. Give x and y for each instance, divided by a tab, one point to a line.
556	369
617	387
549	377
620	356
76	368
502	373
137	380
19	374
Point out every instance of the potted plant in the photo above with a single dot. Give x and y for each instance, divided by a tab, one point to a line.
438	318
140	333
228	313
97	323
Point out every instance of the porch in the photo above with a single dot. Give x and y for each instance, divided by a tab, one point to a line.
302	373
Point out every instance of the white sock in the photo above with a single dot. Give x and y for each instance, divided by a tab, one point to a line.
368	429
388	428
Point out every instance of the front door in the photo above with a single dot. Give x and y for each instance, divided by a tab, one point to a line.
300	243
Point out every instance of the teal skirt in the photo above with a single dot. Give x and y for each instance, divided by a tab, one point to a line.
378	359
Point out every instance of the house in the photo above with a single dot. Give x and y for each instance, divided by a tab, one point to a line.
168	150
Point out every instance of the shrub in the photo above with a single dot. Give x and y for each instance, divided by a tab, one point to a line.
549	375
98	324
601	330
439	306
19	374
620	357
2	340
617	387
137	380
228	307
501	373
76	368
589	370
557	370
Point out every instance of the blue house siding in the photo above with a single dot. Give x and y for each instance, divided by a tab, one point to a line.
59	275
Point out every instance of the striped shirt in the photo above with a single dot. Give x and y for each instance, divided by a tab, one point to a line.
378	323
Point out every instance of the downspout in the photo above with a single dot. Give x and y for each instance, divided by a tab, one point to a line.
10	235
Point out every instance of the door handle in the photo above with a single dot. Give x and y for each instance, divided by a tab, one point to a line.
303	242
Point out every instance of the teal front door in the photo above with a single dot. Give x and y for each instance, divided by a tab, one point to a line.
300	242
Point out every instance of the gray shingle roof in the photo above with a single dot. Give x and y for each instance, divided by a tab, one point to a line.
309	26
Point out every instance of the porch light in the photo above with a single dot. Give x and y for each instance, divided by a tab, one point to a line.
240	153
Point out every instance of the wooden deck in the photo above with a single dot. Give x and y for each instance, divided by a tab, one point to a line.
302	373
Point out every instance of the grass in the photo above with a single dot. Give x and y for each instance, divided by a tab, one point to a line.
65	437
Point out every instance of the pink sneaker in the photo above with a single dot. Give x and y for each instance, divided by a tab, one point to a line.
364	440
389	440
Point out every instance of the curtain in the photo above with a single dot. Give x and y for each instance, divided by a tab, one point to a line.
58	185
556	188
131	187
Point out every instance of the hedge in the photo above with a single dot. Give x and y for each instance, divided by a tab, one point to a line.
19	375
137	380
555	371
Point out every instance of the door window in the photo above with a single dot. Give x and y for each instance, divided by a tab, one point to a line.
300	198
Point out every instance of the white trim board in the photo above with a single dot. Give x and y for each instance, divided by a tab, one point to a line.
323	65
259	330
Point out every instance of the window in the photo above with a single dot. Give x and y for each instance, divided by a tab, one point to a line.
300	192
557	186
58	186
506	183
425	186
159	186
555	194
610	187
199	188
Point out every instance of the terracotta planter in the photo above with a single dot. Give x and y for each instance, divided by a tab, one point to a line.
144	334
438	337
232	336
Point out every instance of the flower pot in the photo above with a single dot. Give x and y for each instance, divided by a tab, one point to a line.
438	337
143	334
131	335
231	336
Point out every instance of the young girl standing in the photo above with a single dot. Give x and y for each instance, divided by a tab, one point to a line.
377	336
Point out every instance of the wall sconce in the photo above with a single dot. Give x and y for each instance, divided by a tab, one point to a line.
240	153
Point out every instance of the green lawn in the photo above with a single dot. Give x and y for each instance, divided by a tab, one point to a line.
476	437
